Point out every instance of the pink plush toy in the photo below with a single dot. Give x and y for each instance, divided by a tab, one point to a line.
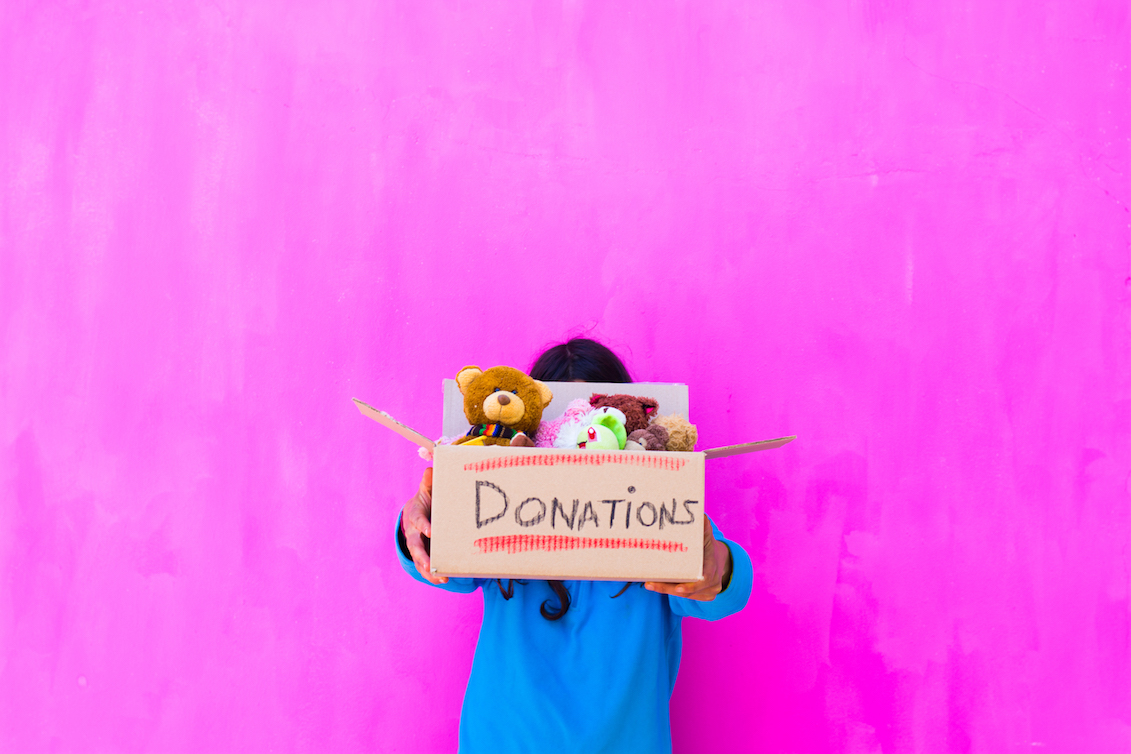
548	430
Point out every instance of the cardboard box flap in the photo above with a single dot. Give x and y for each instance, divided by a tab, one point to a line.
747	447
671	396
382	418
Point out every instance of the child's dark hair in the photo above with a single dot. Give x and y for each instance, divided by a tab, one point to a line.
584	360
579	359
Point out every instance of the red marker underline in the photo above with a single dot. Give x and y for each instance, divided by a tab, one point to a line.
513	543
641	459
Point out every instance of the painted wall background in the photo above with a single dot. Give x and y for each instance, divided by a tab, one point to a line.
899	230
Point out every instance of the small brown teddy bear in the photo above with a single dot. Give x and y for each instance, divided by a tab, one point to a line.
503	405
655	437
637	411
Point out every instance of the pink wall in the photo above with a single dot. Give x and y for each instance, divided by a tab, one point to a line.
896	228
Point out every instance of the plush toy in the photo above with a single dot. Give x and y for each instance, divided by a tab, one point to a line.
548	431
605	431
579	416
655	437
682	434
637	411
503	405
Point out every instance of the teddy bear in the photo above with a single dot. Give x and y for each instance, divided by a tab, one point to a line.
655	437
682	434
637	411
503	405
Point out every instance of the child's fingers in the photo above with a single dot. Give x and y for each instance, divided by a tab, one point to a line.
710	561
704	590
417	523
686	589
421	559
419	518
660	587
418	512
418	552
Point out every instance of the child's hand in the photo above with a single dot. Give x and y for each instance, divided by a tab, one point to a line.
716	571
416	521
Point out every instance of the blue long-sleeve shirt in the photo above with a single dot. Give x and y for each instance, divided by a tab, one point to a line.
599	679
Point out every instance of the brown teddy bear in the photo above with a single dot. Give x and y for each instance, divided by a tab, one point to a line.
637	411
682	434
655	437
503	405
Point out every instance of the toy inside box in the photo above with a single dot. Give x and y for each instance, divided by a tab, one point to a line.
549	513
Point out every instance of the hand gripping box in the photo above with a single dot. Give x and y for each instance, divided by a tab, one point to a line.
544	513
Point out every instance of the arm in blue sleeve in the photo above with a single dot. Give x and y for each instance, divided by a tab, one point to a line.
463	586
730	600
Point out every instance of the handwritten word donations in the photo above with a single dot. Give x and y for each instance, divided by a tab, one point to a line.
492	503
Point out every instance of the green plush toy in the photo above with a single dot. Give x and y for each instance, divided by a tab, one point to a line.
605	432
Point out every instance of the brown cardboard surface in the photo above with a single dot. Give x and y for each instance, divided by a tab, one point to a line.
567	514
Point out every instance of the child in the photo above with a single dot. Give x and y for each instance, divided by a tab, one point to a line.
579	666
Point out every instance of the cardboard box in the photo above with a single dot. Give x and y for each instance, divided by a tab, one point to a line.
544	513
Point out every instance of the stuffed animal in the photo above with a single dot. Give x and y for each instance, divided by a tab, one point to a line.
655	437
548	431
503	405
682	434
637	411
605	431
577	417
